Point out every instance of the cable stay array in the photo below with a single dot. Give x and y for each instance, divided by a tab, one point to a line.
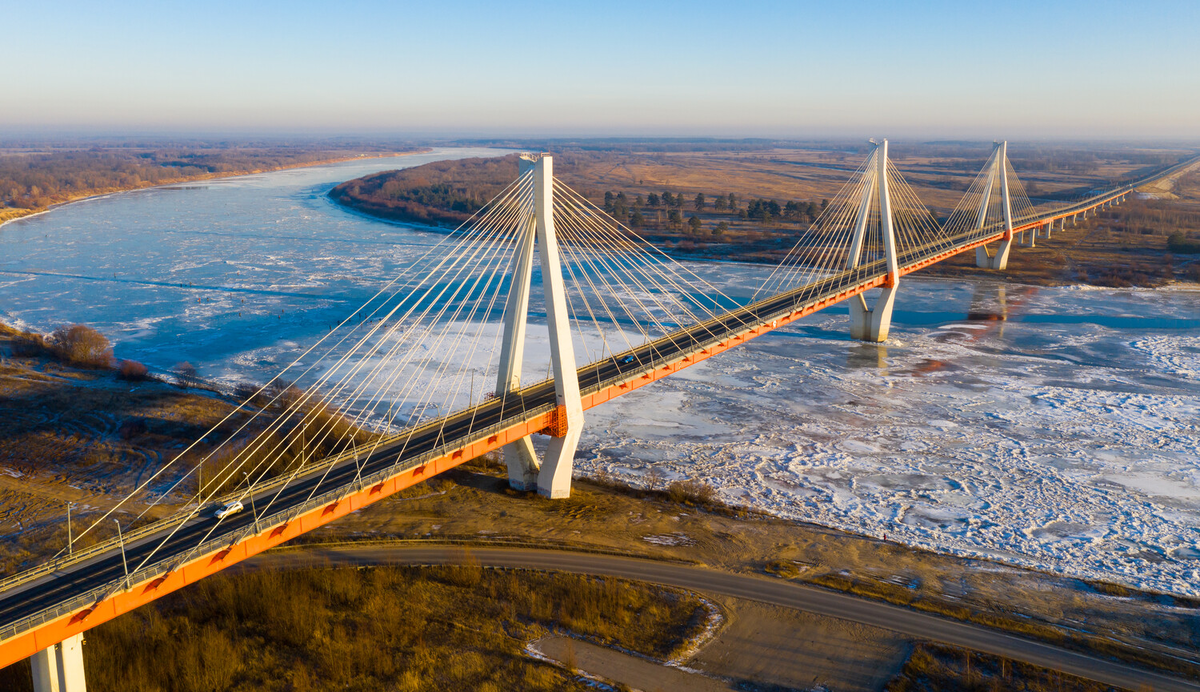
873	226
994	202
424	351
428	346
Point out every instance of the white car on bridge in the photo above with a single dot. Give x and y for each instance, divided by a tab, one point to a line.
229	508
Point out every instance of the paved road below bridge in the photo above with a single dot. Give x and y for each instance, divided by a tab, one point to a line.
766	590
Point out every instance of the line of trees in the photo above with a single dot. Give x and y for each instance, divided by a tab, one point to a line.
444	192
666	210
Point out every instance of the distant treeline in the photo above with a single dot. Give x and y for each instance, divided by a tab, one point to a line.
37	180
444	192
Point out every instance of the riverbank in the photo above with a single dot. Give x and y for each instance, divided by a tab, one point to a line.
8	214
1120	247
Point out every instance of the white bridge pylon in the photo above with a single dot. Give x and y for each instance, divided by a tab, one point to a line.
870	233
996	167
552	477
872	324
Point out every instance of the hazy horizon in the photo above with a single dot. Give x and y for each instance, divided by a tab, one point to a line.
1082	71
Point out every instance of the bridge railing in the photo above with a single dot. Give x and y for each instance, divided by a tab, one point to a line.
131	537
336	494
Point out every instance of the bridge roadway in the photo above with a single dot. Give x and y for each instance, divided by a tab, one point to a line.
40	611
108	569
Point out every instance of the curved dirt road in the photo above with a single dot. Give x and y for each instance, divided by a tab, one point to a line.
773	591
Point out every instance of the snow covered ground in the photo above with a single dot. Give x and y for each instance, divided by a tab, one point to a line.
1048	427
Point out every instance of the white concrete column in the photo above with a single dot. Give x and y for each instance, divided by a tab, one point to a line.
982	259
873	324
999	169
1000	260
519	456
860	223
554	477
59	668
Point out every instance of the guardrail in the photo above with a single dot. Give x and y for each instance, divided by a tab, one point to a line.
171	563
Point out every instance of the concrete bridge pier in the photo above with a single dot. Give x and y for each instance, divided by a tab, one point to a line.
59	668
999	170
872	323
998	261
552	477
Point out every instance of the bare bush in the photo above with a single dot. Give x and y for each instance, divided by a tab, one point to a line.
301	435
247	392
283	394
655	478
132	370
83	346
692	492
185	375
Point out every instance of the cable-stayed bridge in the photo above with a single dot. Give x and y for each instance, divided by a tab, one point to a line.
442	365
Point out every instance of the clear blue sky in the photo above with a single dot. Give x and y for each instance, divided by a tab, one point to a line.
798	69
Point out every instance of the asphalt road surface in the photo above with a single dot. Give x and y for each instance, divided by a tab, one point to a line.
921	626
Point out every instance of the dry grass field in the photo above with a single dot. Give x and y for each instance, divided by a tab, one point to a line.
83	436
381	628
1122	247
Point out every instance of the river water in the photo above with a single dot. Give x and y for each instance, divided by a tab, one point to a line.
1052	427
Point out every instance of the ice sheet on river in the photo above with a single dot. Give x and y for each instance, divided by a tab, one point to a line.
1066	445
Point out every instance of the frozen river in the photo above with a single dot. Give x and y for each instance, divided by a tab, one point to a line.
1065	436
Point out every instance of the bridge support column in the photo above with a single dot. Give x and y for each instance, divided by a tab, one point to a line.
59	668
998	261
552	477
983	259
519	456
873	323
